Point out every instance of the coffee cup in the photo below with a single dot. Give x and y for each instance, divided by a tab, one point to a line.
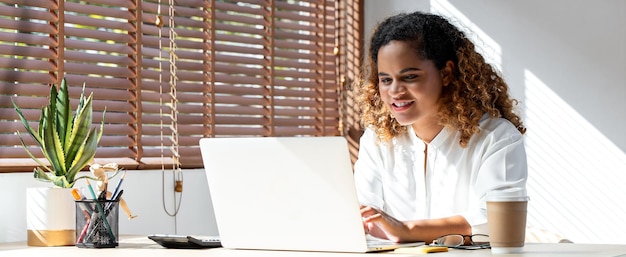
506	215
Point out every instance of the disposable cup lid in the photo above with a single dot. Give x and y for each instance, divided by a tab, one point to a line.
508	194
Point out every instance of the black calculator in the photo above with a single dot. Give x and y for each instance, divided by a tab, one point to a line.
186	242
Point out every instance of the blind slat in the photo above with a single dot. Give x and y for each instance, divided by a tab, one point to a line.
27	13
28	26
94	58
31	39
104	36
86	68
99	46
48	4
26	64
27	76
36	52
107	11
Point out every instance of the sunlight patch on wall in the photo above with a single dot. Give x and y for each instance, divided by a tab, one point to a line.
576	174
485	45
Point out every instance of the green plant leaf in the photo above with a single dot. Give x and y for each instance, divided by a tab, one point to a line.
39	174
63	114
29	128
81	100
31	154
80	132
52	105
85	154
102	124
61	181
40	128
53	150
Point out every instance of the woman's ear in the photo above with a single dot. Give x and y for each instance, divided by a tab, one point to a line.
447	73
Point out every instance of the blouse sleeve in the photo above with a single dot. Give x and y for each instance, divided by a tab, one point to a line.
502	165
367	175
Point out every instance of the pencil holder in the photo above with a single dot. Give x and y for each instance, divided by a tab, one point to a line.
97	223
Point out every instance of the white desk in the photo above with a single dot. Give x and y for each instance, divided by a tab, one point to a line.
141	246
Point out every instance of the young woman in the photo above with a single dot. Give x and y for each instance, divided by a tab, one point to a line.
441	132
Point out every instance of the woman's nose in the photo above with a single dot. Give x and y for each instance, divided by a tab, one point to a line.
396	89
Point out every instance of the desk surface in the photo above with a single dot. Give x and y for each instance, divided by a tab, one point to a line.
141	246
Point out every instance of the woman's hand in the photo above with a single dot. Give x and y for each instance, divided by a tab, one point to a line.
382	225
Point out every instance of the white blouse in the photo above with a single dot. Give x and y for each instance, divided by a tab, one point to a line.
392	176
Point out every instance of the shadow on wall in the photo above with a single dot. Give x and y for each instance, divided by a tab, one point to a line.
579	52
575	154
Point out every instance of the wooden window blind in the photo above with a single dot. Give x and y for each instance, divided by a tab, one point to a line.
171	72
350	39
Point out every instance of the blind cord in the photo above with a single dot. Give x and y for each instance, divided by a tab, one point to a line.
177	175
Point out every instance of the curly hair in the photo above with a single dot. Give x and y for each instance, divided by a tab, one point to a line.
476	87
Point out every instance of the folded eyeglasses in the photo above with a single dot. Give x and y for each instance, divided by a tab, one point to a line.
476	241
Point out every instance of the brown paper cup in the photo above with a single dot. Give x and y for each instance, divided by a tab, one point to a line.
506	215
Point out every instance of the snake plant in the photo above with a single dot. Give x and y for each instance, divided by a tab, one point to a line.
66	139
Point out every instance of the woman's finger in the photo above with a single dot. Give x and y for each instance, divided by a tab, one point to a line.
373	218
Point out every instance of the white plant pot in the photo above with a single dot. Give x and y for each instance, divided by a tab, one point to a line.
50	216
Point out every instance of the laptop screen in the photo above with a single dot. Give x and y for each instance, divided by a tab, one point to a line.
284	193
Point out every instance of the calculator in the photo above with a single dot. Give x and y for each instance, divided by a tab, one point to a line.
186	242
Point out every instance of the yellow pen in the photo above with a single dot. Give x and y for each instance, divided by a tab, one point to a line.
422	249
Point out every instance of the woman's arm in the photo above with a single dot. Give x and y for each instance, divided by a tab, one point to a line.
382	225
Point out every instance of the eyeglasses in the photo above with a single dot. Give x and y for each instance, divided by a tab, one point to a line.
477	241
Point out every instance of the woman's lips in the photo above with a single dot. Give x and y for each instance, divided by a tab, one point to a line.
401	106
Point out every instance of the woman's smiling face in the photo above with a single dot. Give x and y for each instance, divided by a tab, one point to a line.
409	86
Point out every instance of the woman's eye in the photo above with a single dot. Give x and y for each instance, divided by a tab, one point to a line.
384	80
410	77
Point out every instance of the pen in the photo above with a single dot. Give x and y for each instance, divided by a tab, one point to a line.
117	187
78	196
83	206
84	231
110	205
102	196
104	218
119	195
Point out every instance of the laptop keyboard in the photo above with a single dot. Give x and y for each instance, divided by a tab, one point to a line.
374	241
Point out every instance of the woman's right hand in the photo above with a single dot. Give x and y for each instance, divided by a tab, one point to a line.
379	224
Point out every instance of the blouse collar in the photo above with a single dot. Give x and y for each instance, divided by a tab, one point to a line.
439	139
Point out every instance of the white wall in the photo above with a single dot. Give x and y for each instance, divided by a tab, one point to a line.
565	60
144	195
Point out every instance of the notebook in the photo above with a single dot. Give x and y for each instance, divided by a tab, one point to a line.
285	193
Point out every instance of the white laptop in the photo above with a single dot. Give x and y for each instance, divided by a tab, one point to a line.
286	193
